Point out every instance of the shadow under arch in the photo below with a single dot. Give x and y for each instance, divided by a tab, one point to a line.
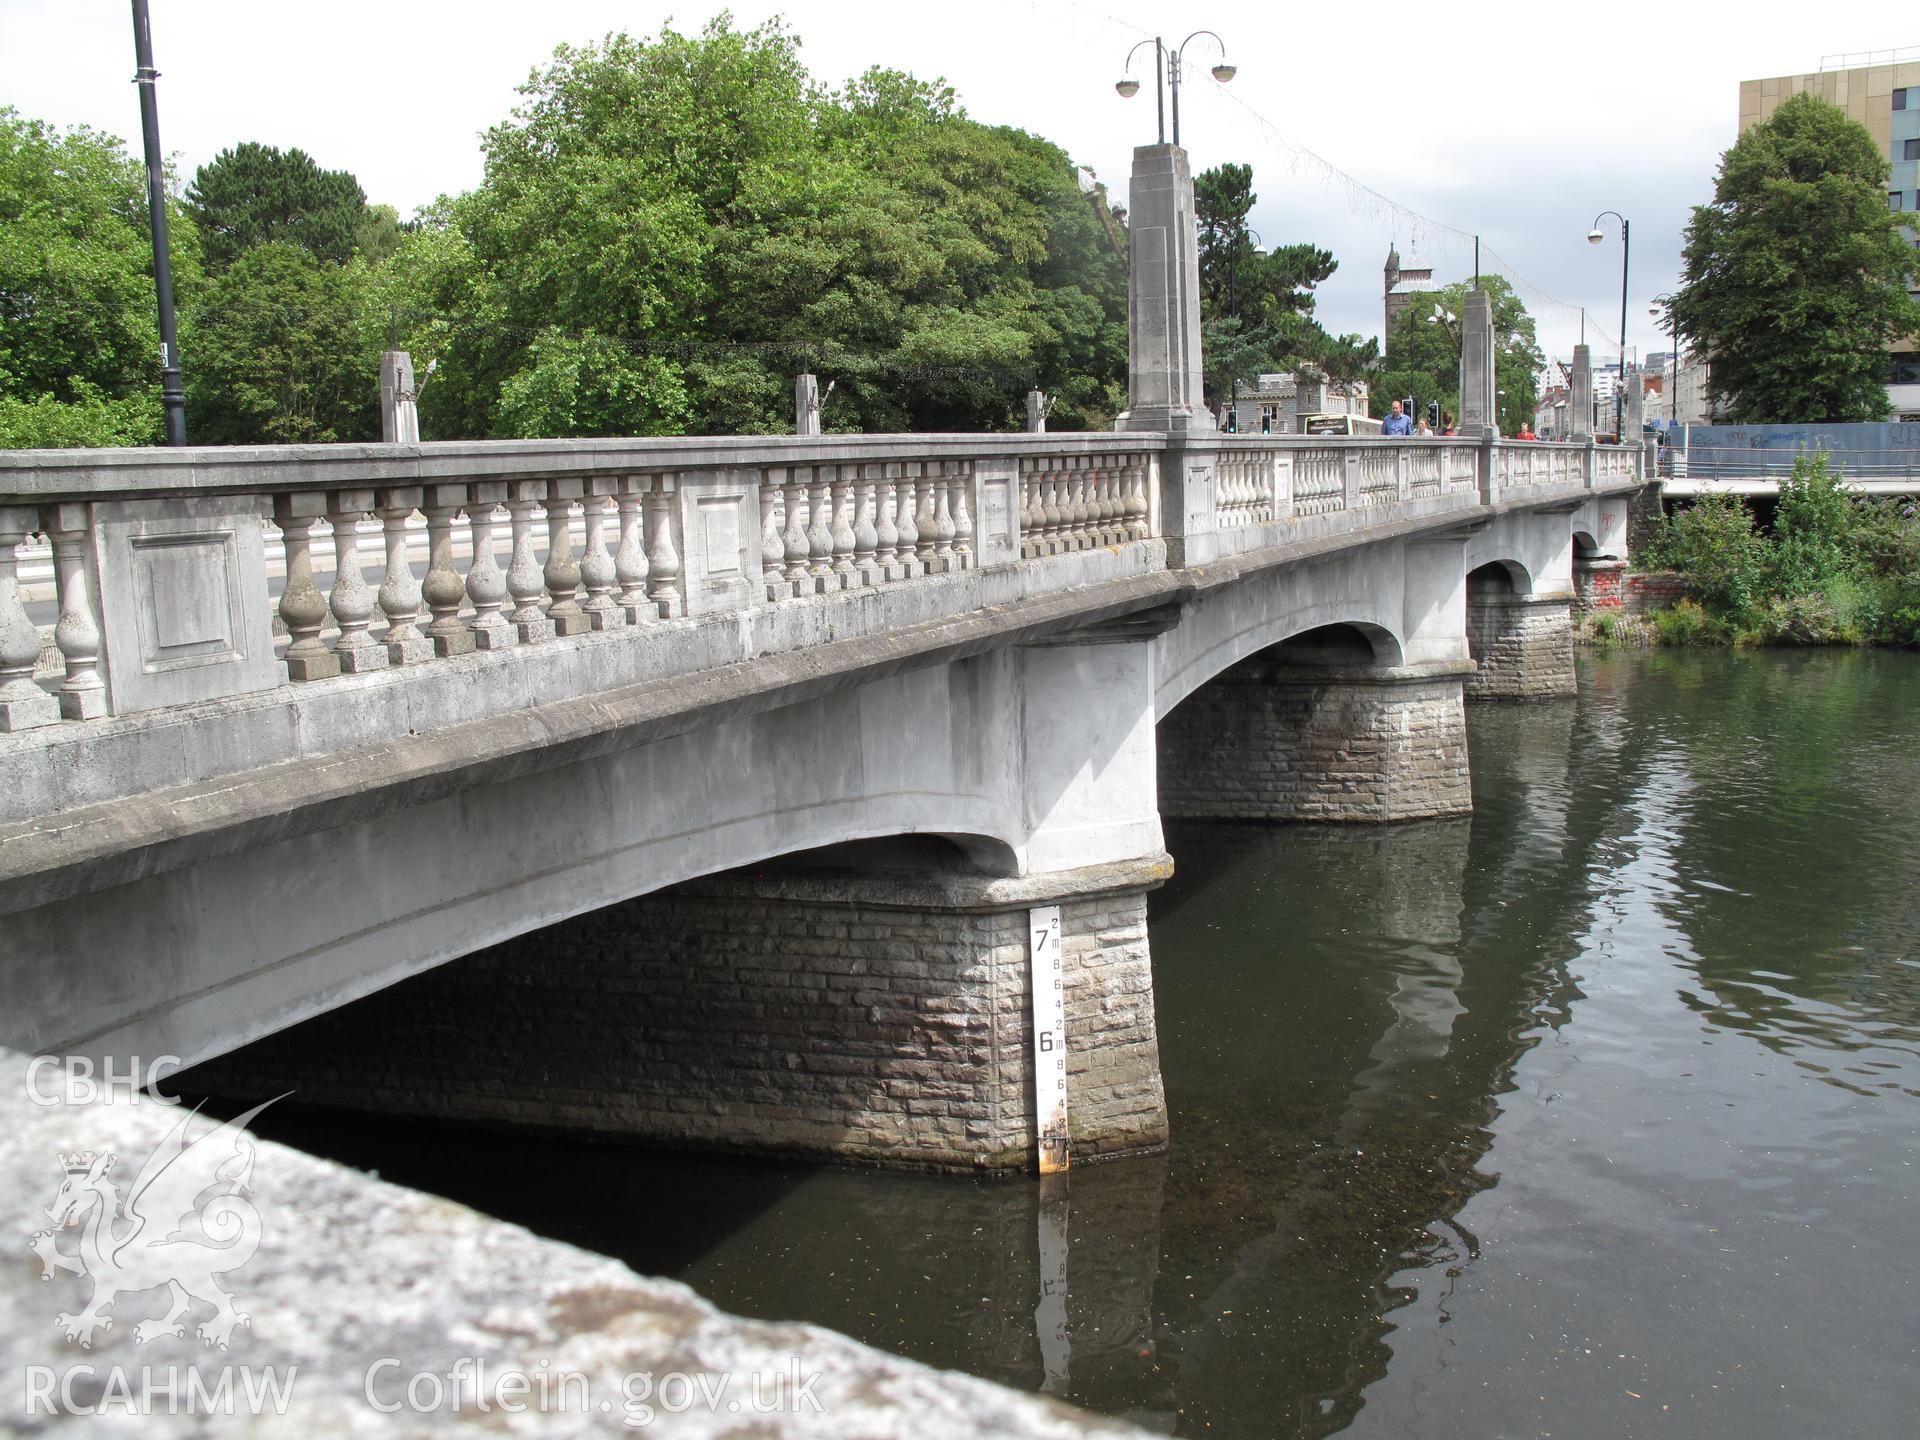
1496	574
1305	638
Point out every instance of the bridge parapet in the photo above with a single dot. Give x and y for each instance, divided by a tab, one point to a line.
213	611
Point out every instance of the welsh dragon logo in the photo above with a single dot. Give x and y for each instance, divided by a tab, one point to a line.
185	1218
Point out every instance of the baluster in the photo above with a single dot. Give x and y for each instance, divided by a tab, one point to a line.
1110	507
443	589
909	552
630	563
887	532
844	577
1082	503
1069	537
663	560
486	581
927	522
352	599
399	591
1029	509
796	537
943	526
83	695
1049	511
773	547
820	529
562	569
963	517
524	580
302	606
23	704
1138	526
866	537
596	566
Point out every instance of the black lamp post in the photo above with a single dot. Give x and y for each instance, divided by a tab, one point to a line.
1594	237
1166	71
173	394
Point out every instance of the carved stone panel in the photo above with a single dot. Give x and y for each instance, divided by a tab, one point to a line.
997	513
183	599
721	515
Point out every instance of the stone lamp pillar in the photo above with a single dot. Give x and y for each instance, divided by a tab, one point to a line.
1163	296
1478	415
1580	395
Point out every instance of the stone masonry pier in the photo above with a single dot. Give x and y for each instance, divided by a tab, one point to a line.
1522	645
1277	739
877	1014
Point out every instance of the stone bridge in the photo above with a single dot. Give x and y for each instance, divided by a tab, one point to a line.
730	771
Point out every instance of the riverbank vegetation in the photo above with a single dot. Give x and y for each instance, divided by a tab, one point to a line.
1836	568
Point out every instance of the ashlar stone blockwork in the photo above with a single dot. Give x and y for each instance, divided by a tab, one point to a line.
1522	644
860	1016
1270	740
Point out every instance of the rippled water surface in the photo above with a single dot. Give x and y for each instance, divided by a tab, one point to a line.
1597	1114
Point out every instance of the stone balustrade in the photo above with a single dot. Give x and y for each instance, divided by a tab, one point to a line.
162	564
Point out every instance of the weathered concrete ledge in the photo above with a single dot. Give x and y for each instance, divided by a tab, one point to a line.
357	1286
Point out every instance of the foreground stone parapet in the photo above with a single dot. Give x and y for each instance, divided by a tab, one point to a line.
873	1015
1272	740
1523	645
382	1311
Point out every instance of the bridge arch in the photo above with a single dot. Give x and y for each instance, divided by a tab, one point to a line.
1223	628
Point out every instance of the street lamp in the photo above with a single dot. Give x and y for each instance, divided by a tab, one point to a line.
173	395
1594	237
1443	316
1166	67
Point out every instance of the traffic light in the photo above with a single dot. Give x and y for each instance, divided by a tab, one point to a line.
1233	422
1433	413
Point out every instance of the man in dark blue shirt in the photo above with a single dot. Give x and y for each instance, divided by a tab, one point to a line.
1398	423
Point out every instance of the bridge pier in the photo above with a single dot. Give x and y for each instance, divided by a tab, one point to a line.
1305	737
1522	644
849	1010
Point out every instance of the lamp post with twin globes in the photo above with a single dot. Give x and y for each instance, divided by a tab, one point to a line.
1166	72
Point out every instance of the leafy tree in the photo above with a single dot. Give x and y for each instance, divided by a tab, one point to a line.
1423	356
1256	305
670	229
286	349
255	193
1794	278
79	338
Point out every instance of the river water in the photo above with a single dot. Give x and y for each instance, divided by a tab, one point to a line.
1596	1114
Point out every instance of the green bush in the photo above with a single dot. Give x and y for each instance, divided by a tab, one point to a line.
1713	543
1689	623
1813	529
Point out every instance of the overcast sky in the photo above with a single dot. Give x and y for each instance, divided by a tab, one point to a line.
1515	121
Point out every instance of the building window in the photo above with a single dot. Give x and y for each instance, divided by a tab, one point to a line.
1900	99
1903	368
1893	200
1912	151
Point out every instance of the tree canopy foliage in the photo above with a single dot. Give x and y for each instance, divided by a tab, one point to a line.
1794	278
669	230
254	194
1423	354
1256	304
79	333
